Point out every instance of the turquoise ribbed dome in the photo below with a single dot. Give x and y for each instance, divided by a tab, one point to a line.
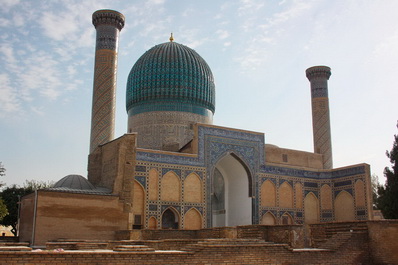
170	77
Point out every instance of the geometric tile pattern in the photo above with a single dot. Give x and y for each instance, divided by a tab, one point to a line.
318	77
108	23
216	142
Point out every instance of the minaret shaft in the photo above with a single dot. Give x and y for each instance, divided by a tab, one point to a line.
108	24
318	77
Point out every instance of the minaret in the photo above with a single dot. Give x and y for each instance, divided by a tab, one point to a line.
108	24
318	77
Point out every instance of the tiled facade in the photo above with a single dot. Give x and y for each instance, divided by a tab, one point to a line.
213	143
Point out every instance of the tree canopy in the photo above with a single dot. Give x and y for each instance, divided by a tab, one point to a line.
388	194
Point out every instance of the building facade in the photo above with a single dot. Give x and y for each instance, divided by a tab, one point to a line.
174	169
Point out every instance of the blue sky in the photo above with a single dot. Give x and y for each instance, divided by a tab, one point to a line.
258	51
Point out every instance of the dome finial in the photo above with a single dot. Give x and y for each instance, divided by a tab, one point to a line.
171	37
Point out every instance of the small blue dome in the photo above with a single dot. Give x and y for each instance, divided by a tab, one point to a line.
170	77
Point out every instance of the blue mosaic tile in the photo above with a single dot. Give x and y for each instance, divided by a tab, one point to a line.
141	180
342	183
336	192
153	207
176	207
361	212
311	184
166	170
313	191
140	168
299	214
327	215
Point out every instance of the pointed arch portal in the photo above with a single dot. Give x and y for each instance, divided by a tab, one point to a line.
231	193
170	219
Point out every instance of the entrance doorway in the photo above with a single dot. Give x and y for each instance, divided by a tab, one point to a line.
231	193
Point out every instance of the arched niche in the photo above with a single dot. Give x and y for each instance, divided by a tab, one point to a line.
268	219
268	194
286	219
311	209
285	195
138	205
231	192
153	185
170	219
360	200
344	207
193	189
170	187
152	223
192	220
326	197
298	193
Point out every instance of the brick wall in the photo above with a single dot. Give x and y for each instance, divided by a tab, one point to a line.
383	241
380	237
210	252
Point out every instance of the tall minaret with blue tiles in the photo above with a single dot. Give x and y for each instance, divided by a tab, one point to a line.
318	77
108	24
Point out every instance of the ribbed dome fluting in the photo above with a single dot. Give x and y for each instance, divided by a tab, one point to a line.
170	77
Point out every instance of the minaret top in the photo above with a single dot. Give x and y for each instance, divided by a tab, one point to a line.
108	17
316	72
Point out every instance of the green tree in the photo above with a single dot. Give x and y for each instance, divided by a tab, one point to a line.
3	209
37	184
375	193
12	196
388	194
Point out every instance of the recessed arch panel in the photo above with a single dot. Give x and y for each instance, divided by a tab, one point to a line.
344	207
193	189
171	187
311	209
268	219
192	220
153	185
326	197
268	194
285	195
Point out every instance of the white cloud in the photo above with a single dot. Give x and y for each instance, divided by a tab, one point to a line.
8	96
4	22
18	20
222	34
8	52
297	8
58	26
249	6
156	2
265	33
7	4
38	110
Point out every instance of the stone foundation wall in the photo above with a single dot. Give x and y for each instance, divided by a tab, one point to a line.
217	252
383	241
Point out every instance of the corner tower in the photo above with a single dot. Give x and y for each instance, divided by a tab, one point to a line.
169	89
108	24
318	77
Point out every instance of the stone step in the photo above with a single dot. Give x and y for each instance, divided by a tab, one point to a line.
15	248
133	248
